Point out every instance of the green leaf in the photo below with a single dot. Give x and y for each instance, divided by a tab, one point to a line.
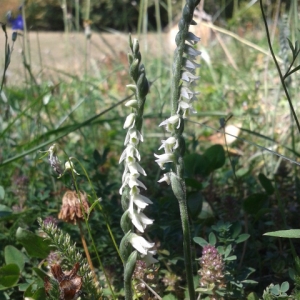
236	229
284	287
35	291
40	273
212	159
23	286
194	202
249	281
292	47
243	237
39	294
212	239
14	256
195	164
9	275
97	157
266	184
35	245
2	192
275	290
254	203
5	211
242	172
193	183
200	241
227	250
291	233
169	297
252	296
292	71
216	156
232	257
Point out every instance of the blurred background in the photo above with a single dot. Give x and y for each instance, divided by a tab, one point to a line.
123	15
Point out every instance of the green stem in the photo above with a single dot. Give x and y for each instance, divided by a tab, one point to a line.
127	287
179	165
187	248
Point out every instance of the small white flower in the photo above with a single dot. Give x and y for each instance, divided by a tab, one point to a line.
140	201
169	144
130	120
132	167
171	122
133	137
149	259
132	87
140	244
164	158
166	178
186	109
132	181
186	92
130	151
139	220
188	76
132	103
70	166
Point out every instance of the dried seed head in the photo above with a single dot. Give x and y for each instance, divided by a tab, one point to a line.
69	282
72	207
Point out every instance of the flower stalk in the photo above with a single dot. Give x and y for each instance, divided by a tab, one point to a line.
133	202
182	97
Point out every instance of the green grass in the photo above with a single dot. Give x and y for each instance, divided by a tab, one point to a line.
83	114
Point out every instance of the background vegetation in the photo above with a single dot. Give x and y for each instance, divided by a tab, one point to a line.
249	186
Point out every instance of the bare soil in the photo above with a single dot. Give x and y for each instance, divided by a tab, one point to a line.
6	5
58	52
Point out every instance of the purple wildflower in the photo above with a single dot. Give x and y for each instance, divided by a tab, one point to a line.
212	267
16	23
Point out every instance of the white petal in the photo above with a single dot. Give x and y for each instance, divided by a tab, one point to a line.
140	244
131	87
149	259
164	158
123	155
131	103
171	121
166	178
169	144
130	120
70	166
130	151
184	105
133	137
140	220
133	181
135	168
141	201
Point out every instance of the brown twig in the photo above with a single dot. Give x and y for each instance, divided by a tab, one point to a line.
87	253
